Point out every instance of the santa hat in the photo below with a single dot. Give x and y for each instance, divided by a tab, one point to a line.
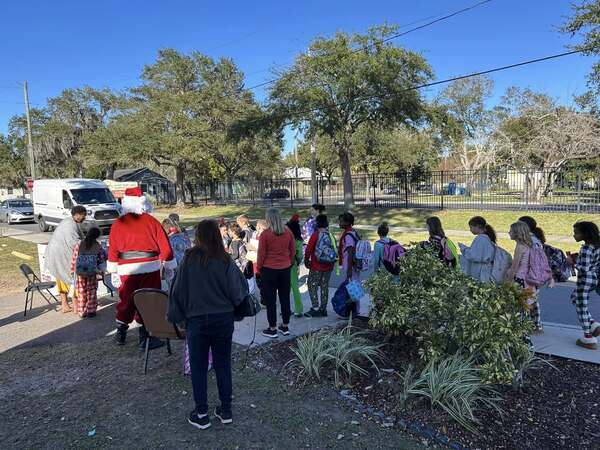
295	218
134	201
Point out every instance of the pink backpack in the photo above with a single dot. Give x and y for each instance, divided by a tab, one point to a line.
539	272
392	251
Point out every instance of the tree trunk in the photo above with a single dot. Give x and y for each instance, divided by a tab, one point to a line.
110	171
347	177
180	183
191	191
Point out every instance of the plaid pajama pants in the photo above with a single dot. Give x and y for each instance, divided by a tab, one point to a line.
586	284
87	295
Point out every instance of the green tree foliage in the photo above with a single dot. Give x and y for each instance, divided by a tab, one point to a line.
346	81
13	163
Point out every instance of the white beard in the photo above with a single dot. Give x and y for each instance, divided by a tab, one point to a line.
136	205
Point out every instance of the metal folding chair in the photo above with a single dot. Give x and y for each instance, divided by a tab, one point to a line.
35	284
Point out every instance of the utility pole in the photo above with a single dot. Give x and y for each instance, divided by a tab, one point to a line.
29	141
313	169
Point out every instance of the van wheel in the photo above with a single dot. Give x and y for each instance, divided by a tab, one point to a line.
44	228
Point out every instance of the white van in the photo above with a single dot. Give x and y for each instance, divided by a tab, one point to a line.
53	200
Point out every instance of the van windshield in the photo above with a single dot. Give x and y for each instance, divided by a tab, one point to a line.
92	196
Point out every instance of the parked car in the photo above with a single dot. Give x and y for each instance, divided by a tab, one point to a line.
53	200
277	194
16	210
391	190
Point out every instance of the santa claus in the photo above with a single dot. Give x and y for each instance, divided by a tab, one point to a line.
138	252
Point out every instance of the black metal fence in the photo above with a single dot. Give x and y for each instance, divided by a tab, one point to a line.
527	190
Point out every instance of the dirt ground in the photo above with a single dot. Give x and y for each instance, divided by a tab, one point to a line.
94	395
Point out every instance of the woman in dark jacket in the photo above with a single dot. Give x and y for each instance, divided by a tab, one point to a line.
206	288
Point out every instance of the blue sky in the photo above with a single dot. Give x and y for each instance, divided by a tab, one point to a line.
73	43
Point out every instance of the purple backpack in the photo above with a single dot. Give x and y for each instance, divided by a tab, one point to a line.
539	272
392	251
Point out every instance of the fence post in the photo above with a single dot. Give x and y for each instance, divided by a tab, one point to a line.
405	188
527	189
442	184
481	189
374	191
579	190
292	192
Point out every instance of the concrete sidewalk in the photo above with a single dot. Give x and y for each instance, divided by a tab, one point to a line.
559	340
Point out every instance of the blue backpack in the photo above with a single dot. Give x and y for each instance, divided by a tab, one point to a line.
86	264
342	303
325	249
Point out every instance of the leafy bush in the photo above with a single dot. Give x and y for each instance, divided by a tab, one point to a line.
345	352
447	311
454	384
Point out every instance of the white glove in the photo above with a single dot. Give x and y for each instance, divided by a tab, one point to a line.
115	280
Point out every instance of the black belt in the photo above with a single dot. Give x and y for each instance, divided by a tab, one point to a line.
137	255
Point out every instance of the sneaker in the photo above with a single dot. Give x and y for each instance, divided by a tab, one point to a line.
199	421
284	330
595	329
224	417
589	343
323	312
121	334
313	313
270	333
298	316
90	315
154	343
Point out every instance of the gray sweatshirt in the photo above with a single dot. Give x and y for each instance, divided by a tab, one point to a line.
198	290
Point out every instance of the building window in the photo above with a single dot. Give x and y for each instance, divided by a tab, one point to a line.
9	191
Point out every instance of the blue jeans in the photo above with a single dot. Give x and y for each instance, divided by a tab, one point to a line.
211	331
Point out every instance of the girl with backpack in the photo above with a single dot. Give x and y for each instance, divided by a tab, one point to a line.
442	245
89	261
237	248
294	226
520	268
386	251
347	247
587	264
320	257
478	259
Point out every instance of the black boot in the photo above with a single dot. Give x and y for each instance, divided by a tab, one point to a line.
154	342
121	334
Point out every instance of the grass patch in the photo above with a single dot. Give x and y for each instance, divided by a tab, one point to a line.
553	223
11	278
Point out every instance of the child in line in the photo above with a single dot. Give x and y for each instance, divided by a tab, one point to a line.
89	261
587	263
444	247
347	247
319	272
379	247
310	224
224	229
478	259
248	230
294	226
519	232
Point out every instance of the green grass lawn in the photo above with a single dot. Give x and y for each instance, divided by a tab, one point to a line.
11	278
554	223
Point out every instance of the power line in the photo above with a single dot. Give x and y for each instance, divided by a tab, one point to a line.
395	36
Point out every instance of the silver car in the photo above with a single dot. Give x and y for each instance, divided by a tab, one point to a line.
16	211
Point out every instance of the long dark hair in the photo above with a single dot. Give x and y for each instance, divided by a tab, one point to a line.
590	232
209	243
90	239
294	227
434	225
480	222
533	228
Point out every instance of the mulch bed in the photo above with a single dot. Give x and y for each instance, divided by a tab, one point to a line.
556	408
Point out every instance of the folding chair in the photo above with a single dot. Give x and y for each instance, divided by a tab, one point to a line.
35	284
152	305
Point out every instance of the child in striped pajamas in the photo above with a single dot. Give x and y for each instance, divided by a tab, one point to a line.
587	264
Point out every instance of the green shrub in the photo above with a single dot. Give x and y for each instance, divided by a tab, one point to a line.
345	352
447	311
453	384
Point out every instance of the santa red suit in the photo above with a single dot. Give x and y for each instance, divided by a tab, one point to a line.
138	250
